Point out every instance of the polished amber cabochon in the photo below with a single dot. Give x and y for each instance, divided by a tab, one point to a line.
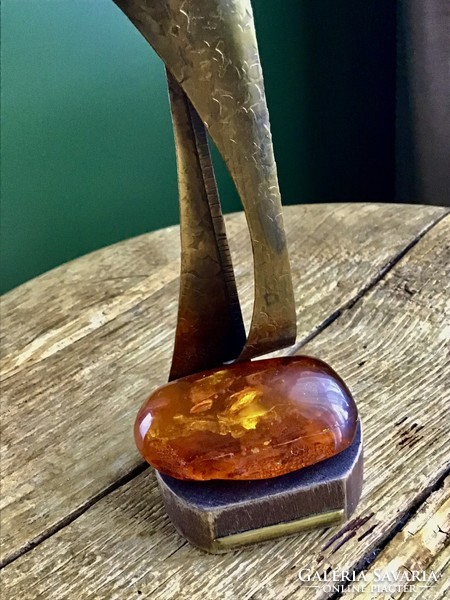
249	420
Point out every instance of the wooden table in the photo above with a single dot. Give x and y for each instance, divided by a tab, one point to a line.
84	344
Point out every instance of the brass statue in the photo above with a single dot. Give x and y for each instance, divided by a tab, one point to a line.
215	78
215	85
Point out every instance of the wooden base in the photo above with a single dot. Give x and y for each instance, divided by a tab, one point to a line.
220	515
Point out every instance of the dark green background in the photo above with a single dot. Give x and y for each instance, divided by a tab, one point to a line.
87	148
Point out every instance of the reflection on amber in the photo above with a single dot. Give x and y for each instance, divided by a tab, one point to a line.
250	420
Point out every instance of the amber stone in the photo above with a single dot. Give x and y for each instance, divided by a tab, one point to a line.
250	420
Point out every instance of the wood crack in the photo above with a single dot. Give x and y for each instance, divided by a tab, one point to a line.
368	287
399	340
368	559
71	517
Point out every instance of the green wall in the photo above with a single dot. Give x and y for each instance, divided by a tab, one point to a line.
87	148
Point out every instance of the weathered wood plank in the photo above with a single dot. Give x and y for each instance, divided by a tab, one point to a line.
440	589
81	364
54	310
391	347
422	546
71	394
59	296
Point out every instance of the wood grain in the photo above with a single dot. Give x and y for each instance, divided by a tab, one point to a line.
422	545
390	345
87	342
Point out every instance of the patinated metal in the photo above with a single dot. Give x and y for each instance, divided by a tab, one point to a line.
210	329
210	49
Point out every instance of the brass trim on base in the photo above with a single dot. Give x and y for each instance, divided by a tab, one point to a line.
220	515
271	532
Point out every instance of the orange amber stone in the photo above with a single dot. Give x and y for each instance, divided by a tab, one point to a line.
249	420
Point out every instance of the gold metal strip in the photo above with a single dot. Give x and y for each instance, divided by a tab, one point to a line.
274	531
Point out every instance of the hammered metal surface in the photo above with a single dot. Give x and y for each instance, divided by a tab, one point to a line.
210	329
210	48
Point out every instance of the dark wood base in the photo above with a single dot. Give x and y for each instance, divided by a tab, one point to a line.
220	515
